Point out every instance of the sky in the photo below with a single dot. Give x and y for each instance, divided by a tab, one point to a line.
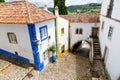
50	3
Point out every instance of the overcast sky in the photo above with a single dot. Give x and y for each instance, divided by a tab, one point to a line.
68	2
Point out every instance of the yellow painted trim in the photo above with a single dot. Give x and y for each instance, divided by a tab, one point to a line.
57	36
66	51
59	55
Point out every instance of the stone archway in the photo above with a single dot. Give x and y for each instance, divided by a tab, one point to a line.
78	48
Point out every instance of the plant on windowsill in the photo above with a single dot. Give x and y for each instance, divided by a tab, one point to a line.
52	49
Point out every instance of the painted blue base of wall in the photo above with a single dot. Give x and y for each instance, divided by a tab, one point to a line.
14	55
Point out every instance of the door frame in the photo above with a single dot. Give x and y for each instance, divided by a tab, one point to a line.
105	55
93	31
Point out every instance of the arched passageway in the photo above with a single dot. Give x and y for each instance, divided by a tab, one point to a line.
82	47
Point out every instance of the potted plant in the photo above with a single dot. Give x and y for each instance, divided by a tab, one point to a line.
52	49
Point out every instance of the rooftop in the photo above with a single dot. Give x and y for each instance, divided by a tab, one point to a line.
85	18
22	12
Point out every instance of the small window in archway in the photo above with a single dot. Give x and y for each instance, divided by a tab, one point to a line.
80	31
77	31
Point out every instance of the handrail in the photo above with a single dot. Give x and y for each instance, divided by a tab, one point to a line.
91	53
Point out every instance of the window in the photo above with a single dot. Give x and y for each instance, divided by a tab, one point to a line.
43	33
79	31
62	31
12	38
110	32
102	27
45	55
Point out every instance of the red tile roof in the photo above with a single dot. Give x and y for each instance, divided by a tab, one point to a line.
22	12
85	18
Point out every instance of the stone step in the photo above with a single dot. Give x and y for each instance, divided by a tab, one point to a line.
97	53
5	69
95	43
3	64
96	48
97	57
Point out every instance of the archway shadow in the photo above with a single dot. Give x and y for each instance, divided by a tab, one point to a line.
82	61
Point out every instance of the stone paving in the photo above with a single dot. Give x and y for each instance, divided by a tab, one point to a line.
13	69
69	67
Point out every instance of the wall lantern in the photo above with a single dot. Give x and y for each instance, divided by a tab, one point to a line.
36	42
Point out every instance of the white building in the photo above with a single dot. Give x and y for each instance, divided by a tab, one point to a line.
109	37
82	26
62	37
26	32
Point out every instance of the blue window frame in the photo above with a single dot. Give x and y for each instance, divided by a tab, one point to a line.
43	32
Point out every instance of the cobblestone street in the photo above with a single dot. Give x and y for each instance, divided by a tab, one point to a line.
69	67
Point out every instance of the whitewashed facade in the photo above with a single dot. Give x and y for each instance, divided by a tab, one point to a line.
62	35
86	31
109	37
23	40
44	45
27	34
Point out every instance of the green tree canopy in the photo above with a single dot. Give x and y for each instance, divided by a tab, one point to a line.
2	1
61	6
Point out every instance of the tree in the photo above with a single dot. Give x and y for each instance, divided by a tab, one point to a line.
2	1
61	6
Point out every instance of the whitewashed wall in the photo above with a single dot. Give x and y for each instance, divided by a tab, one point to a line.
87	31
116	10
23	47
113	57
63	39
105	6
51	32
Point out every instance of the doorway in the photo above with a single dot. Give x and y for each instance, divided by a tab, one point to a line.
45	57
94	32
106	51
63	48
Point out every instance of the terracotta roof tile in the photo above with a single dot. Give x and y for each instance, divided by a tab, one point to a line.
85	18
17	12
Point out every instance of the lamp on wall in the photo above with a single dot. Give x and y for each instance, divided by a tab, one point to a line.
36	42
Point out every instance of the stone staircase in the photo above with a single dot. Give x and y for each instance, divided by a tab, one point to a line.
97	69
96	46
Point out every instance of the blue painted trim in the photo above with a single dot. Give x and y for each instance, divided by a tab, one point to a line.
14	55
40	29
32	34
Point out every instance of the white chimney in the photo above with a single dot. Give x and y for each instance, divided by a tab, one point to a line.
56	11
45	8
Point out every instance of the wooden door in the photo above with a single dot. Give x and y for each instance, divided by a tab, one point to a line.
94	32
